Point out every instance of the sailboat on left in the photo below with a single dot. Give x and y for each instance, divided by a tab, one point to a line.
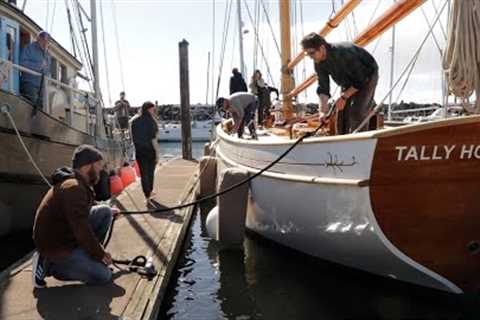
65	118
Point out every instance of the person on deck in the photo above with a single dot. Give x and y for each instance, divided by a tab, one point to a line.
144	134
122	111
259	88
353	69
36	58
69	230
237	83
242	106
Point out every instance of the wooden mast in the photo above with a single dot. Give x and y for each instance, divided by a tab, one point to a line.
394	14
287	78
329	26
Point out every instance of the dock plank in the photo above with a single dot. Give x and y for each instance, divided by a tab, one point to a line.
130	296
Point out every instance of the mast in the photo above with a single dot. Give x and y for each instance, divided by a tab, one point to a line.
96	75
287	79
240	38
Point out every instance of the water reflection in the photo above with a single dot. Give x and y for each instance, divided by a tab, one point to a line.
266	281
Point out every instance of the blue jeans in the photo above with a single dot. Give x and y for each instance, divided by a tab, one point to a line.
79	265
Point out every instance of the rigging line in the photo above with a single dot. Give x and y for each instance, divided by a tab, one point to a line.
83	49
354	23
208	78
47	15
374	12
107	76
433	34
380	105
235	26
271	28
72	35
117	38
260	45
213	53
412	67
295	36
255	45
440	22
304	71
226	27
53	16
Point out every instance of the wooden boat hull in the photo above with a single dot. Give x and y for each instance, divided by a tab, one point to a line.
399	203
51	143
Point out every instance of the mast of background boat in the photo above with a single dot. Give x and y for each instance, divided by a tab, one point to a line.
96	74
392	61
287	78
240	38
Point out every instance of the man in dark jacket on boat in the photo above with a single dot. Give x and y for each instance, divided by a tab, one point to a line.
122	111
242	106
36	58
69	229
237	83
353	69
144	135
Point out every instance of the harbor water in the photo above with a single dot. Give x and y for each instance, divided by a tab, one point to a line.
262	280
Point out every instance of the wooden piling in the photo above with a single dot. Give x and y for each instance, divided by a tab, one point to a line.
185	101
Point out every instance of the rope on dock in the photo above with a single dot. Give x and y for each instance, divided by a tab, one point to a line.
6	111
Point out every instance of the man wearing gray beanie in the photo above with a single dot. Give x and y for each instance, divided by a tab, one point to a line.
69	229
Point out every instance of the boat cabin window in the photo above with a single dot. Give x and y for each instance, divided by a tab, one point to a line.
54	68
63	74
10	47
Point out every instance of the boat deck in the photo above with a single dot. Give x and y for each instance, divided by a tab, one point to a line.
130	296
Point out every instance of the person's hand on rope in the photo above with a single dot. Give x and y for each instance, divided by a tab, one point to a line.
107	259
322	118
115	212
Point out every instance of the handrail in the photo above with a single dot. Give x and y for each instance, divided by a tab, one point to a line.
329	26
63	85
394	14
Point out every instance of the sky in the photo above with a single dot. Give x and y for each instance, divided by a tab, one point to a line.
149	32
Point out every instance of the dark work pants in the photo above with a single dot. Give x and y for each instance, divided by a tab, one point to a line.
357	107
147	172
248	120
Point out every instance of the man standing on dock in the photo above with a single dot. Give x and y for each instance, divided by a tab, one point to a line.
353	69
242	106
69	229
144	135
122	111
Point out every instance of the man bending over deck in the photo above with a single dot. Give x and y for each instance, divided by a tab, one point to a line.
242	106
68	229
353	69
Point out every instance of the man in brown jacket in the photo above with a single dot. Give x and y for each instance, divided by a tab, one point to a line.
68	229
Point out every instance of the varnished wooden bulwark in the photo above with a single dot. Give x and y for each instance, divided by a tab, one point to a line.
428	204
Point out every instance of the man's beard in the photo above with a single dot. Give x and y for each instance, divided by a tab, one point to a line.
93	176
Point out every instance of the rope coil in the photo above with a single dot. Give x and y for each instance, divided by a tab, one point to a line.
461	61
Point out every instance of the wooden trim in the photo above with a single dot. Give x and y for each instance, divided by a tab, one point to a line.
427	205
297	178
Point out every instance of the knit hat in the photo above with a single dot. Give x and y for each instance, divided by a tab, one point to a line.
85	154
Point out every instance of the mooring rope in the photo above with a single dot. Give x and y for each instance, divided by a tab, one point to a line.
5	111
461	61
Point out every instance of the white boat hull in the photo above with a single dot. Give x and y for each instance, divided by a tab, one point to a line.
318	200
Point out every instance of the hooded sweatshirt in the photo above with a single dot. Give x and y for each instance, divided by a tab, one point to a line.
61	222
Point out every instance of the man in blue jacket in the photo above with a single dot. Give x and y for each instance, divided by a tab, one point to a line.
35	57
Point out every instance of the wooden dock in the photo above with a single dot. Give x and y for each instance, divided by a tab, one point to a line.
130	296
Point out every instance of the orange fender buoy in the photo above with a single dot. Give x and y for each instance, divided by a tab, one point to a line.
116	184
127	174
